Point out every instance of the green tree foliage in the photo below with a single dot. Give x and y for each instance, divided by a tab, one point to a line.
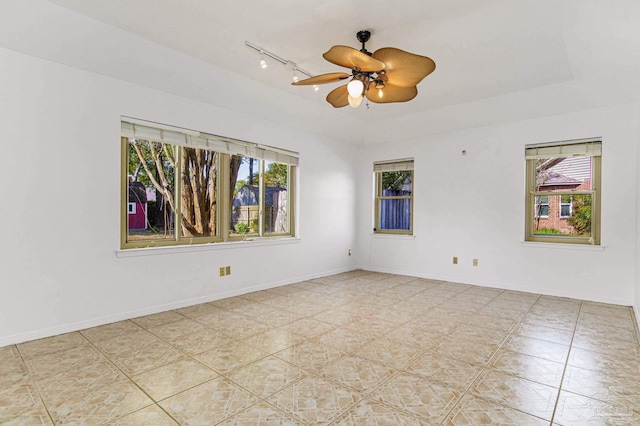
276	175
394	180
148	161
581	217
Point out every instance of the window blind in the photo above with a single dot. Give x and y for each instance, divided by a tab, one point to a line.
139	129
584	148
393	166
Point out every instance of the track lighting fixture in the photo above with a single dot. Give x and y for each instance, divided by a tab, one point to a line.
287	63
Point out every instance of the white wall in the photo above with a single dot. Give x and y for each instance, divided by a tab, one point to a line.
473	207
60	192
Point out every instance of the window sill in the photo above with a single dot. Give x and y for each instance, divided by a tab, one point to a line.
561	246
393	236
258	242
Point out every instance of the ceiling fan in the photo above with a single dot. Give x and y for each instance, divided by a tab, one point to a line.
386	75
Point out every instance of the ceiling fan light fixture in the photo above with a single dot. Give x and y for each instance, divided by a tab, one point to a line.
355	88
354	102
316	87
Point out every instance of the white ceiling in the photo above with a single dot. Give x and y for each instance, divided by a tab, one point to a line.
497	60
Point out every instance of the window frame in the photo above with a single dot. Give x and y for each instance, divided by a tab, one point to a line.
583	147
223	190
379	167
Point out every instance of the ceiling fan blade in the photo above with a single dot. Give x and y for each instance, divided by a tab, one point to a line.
331	77
338	97
391	93
403	68
349	57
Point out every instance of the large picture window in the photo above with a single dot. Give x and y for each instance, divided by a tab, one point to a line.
563	192
185	187
394	196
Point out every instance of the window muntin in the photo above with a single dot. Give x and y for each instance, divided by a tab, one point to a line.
204	190
563	192
394	197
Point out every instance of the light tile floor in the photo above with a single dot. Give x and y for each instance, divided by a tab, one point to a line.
358	348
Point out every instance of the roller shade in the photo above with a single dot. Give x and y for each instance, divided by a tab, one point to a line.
393	166
585	148
139	129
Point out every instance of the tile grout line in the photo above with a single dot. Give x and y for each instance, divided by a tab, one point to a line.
491	358
566	363
130	380
35	385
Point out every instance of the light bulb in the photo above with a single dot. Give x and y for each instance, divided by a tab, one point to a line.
354	101
355	88
380	93
294	78
263	63
316	87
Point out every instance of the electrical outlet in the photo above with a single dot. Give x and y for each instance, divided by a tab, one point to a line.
475	262
455	260
228	270
222	271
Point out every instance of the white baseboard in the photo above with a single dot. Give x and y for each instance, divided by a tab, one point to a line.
526	289
121	316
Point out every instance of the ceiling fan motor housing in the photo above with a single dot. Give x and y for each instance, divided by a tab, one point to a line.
363	37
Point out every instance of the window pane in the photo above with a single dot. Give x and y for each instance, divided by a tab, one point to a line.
398	183
150	203
570	219
562	174
199	209
245	195
275	198
395	214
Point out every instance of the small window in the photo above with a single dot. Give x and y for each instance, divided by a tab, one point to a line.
565	206
563	192
542	206
394	197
